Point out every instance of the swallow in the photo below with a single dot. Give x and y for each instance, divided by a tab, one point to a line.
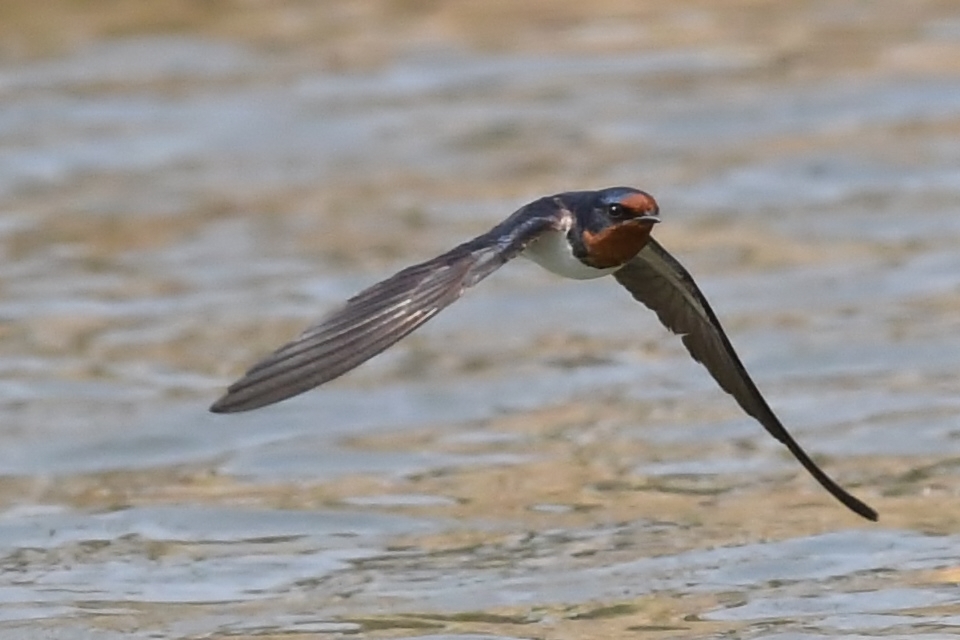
580	235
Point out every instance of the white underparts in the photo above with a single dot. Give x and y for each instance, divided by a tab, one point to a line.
552	252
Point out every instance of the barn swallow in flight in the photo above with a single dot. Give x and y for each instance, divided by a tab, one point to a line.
579	235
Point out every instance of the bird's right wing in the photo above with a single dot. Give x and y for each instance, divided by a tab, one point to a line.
381	315
656	279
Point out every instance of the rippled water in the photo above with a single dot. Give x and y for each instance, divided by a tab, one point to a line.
543	459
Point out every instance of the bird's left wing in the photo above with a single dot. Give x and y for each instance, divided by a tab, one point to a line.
659	281
381	315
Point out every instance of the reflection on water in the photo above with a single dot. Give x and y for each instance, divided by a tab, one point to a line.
175	206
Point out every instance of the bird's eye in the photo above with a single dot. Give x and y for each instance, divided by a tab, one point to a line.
617	211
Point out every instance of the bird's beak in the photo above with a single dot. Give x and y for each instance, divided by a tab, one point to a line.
653	219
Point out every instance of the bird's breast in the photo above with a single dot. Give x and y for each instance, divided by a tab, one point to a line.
553	252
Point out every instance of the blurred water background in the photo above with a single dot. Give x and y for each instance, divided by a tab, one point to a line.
184	185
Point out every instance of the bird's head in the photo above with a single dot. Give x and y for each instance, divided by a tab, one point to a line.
613	225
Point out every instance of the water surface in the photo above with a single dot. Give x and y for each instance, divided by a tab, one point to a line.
543	459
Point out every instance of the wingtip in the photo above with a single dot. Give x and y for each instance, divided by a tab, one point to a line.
853	503
225	404
239	398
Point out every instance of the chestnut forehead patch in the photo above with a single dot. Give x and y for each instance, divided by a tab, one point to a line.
640	202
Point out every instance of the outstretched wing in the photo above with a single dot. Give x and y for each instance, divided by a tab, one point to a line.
660	282
379	316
